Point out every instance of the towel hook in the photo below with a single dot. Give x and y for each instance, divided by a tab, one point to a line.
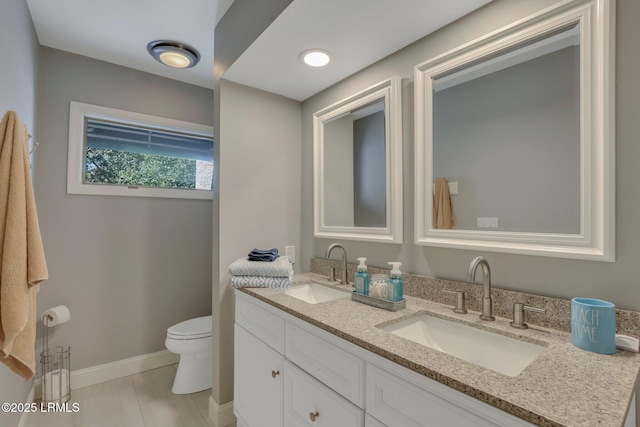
35	145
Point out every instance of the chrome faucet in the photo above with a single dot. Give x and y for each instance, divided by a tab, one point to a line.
343	278
487	310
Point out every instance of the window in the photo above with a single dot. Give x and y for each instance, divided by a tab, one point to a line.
120	153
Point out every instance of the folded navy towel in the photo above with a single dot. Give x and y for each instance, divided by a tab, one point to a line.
272	251
267	258
267	255
264	258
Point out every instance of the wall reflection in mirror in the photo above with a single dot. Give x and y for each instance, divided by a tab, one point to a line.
507	130
355	175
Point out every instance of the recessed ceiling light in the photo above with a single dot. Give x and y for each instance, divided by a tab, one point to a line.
173	54
315	57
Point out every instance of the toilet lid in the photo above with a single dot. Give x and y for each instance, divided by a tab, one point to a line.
191	329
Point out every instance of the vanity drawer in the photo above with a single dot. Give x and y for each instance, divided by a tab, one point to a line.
333	366
304	395
261	323
401	403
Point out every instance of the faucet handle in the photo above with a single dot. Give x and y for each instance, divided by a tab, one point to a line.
518	314
332	274
461	303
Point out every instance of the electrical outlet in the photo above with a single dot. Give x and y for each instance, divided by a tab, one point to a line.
290	251
487	222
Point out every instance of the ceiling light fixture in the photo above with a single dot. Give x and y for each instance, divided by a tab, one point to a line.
173	54
315	57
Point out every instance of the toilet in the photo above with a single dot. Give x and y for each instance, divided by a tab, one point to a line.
191	339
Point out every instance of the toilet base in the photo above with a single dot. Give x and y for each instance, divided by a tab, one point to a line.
194	374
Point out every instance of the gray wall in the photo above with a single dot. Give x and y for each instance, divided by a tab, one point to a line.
127	267
511	140
562	278
18	84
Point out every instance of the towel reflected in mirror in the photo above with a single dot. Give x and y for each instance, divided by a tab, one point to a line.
443	215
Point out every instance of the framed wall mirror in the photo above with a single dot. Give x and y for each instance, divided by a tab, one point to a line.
520	125
357	166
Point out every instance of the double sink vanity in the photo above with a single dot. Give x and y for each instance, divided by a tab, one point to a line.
501	353
335	362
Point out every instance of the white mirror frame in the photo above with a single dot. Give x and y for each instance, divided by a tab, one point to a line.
597	136
390	91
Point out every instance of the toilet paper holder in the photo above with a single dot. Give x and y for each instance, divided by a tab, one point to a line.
56	316
55	362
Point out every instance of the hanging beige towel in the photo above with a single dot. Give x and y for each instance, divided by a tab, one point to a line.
22	262
443	214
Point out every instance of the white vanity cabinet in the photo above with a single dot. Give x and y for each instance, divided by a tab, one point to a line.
290	373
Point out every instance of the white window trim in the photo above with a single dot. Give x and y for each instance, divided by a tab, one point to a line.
75	166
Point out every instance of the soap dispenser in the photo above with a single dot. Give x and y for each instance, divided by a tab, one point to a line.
396	285
362	278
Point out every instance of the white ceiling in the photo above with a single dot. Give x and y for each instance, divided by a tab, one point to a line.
357	32
118	31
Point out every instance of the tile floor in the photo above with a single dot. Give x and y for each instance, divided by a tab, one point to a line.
140	400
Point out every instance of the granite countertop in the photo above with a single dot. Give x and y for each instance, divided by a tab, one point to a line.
564	386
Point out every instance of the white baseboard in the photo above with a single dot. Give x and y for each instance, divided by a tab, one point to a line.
122	368
221	415
114	370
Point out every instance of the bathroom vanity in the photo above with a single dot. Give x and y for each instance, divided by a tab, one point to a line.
335	363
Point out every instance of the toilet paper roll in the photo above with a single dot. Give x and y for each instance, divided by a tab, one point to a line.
55	385
56	315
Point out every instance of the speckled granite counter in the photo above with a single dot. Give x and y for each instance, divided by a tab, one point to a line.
564	386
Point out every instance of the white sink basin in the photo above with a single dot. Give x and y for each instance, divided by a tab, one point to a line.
497	352
313	293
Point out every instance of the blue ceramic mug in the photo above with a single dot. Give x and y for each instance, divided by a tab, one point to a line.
593	325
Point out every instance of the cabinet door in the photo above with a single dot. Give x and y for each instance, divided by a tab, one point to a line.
258	383
307	402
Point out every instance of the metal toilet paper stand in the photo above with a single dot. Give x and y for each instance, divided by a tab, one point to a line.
56	371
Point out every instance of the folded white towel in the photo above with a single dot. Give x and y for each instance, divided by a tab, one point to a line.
281	267
259	282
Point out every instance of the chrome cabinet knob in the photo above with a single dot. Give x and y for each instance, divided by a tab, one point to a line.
275	374
314	416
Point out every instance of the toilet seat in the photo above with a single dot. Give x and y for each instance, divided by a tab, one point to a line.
191	329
